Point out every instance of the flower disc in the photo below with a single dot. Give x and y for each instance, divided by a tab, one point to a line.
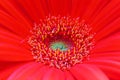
61	41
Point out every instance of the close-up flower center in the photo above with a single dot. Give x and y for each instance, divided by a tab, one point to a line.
61	42
59	45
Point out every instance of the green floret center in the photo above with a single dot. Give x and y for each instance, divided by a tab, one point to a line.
59	45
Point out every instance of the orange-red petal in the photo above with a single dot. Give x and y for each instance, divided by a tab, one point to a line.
87	72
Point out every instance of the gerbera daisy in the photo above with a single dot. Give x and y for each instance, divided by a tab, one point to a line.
59	40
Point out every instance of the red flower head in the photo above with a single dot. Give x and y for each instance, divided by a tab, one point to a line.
60	40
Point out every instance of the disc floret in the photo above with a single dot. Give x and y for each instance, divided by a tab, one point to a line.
61	41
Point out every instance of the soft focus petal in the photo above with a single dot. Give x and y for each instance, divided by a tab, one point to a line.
106	56
11	48
34	10
38	75
36	71
110	67
108	14
68	76
111	43
59	7
9	52
13	20
13	25
25	71
108	30
7	68
54	74
87	72
94	7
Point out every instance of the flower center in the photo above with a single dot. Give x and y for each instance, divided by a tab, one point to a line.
59	45
61	42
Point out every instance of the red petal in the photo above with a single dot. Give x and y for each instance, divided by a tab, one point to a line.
86	8
110	67
108	30
68	76
54	74
25	71
107	15
59	7
111	43
34	10
87	72
38	75
106	56
10	52
93	9
11	48
15	22
7	68
13	25
10	8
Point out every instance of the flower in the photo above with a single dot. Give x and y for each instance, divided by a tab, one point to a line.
61	42
21	42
